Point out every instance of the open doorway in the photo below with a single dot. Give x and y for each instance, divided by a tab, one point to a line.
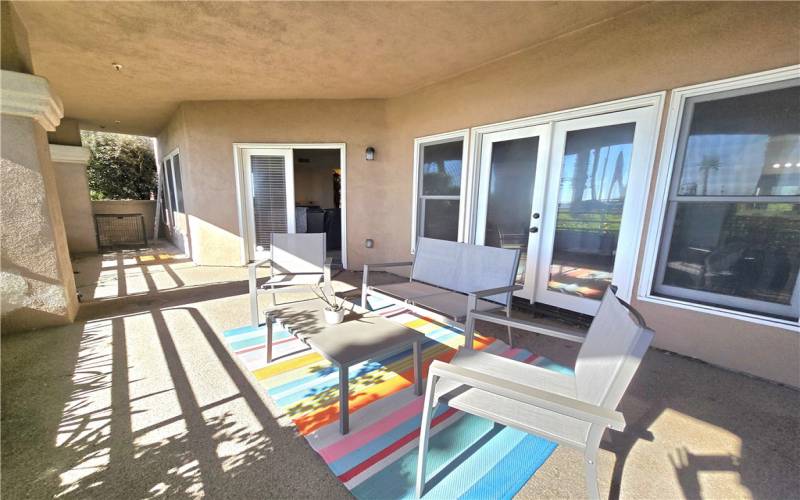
318	195
294	188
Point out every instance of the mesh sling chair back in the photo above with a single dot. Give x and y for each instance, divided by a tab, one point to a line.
297	261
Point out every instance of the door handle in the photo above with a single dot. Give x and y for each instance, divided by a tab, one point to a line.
534	230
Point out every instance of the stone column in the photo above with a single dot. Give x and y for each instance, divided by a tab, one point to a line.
70	164
36	281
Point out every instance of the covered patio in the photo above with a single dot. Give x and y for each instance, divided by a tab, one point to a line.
146	399
640	154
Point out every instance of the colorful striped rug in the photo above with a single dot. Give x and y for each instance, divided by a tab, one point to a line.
469	457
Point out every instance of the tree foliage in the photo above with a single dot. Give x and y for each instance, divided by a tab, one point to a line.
121	167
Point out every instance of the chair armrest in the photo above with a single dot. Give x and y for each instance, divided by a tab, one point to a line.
529	326
258	263
495	291
529	395
365	278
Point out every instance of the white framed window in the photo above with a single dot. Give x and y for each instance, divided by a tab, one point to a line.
173	182
440	173
726	231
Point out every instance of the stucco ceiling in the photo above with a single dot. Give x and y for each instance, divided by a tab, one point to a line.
174	52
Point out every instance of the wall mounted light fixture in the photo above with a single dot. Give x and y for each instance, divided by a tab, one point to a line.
370	153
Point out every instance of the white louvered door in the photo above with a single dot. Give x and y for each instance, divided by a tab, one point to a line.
269	181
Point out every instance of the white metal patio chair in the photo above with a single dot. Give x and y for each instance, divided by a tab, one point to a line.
297	261
572	410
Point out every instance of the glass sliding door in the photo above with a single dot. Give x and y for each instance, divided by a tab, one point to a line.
595	203
269	184
511	189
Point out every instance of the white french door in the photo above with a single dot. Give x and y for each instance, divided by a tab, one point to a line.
511	195
595	207
570	195
269	187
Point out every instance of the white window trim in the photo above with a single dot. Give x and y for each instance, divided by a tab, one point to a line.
678	99
419	142
242	196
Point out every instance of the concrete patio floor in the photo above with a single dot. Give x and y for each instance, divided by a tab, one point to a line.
140	398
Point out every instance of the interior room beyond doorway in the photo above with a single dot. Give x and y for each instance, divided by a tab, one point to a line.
317	194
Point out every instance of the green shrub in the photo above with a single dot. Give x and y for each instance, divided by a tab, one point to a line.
121	167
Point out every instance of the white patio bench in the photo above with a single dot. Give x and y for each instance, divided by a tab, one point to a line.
447	277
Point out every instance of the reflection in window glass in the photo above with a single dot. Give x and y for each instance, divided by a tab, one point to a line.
170	185
724	243
594	177
744	145
441	168
745	250
176	166
441	219
440	189
508	205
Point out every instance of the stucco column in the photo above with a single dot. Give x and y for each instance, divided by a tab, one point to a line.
70	164
37	285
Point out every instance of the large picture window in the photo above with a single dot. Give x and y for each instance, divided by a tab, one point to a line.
438	187
731	233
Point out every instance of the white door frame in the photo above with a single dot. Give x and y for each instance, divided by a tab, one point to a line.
240	168
653	102
632	218
537	201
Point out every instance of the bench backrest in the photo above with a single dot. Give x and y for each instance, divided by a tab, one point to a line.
298	252
465	268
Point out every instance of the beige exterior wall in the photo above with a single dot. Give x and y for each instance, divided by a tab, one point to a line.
171	138
211	129
145	207
657	47
38	288
69	163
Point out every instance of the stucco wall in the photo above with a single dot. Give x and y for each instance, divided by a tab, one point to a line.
171	138
207	160
145	207
657	47
76	207
38	288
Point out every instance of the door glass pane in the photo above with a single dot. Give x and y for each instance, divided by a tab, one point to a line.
594	177
749	250
269	197
441	219
170	185
508	207
744	145
441	168
176	167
